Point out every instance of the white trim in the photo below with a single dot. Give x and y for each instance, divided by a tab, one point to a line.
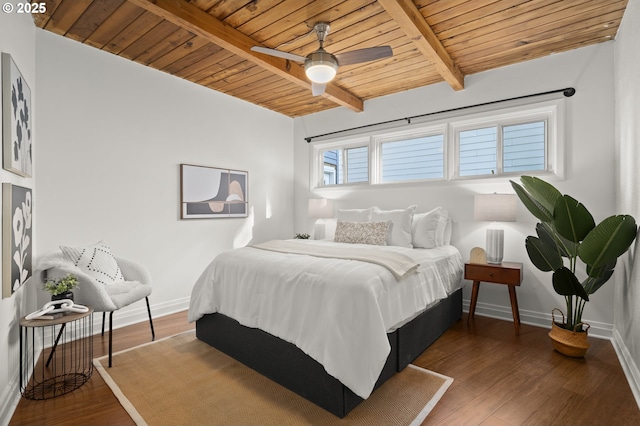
629	367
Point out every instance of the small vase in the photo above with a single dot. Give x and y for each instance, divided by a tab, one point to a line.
67	295
573	343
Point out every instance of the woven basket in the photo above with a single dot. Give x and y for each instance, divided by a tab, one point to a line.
573	343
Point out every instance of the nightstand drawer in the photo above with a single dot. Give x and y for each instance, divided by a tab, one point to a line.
505	273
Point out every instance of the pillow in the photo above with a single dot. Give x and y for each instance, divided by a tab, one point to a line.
96	261
428	229
354	215
447	232
400	233
374	233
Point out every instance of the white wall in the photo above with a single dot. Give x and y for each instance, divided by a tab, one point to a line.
627	90
589	168
115	133
17	37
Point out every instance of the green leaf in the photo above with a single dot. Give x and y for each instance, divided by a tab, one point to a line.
565	283
547	233
538	196
608	240
544	256
571	219
591	285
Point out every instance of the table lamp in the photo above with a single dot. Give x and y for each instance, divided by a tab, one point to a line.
320	208
495	208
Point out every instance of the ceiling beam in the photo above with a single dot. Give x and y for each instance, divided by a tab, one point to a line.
408	17
199	22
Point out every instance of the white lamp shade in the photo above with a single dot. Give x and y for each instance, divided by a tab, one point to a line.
320	208
495	207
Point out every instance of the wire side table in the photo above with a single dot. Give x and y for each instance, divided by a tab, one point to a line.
67	358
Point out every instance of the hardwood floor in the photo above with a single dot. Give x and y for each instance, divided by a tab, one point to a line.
499	379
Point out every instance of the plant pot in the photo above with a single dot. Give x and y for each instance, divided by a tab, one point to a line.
67	295
573	343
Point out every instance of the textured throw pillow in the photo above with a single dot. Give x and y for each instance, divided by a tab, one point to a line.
374	233
400	233
428	229
354	215
96	261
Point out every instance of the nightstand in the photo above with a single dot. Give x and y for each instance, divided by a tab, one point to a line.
507	273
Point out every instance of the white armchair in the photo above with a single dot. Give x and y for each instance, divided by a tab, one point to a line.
102	298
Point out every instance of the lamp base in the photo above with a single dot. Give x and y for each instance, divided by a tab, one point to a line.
319	230
495	245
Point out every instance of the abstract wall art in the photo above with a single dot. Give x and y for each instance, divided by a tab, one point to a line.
210	192
17	120
17	209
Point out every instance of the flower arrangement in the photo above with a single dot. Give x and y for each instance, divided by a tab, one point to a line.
62	285
302	236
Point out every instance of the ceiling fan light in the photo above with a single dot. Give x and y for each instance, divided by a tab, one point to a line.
321	67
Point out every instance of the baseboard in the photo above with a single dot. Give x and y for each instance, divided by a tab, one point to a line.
10	400
628	364
598	329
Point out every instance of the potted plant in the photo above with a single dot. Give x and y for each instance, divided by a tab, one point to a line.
566	234
60	288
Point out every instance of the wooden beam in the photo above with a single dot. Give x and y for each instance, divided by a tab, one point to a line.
199	22
408	17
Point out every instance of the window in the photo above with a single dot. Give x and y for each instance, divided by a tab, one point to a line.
412	159
346	165
511	141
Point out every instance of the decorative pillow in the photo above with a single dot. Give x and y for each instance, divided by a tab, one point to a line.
428	229
95	260
374	233
354	215
400	233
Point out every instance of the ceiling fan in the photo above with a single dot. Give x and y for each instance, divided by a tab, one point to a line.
321	66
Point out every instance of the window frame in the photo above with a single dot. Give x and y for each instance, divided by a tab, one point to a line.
551	111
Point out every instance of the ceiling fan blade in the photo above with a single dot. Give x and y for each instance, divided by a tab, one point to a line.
363	55
278	53
317	89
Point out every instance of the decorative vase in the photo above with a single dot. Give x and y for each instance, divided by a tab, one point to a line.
67	295
573	343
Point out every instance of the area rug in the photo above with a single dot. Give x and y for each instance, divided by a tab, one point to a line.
181	380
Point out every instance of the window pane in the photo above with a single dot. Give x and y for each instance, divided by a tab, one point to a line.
332	171
524	147
419	158
478	151
358	164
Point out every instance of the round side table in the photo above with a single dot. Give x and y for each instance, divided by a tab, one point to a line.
66	362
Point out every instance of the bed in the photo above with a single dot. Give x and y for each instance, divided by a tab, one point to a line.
329	320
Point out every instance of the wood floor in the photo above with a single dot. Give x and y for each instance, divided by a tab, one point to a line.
499	379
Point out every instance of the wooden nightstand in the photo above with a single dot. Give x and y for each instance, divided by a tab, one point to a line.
508	273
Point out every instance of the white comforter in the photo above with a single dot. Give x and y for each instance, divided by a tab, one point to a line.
337	311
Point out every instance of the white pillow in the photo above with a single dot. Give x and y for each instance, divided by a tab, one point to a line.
374	233
354	215
95	260
400	232
428	229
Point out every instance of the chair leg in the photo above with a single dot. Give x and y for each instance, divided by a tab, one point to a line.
110	336
103	318
153	333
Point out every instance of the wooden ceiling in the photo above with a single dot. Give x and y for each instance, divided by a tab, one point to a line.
208	41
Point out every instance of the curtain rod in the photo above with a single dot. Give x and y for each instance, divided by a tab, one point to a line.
567	92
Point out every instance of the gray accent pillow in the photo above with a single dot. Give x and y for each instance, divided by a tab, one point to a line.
374	233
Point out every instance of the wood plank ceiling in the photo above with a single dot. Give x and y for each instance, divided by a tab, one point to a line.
208	41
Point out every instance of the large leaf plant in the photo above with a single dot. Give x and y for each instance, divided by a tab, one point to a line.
567	233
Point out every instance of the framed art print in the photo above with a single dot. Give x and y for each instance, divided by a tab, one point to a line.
210	192
17	120
17	208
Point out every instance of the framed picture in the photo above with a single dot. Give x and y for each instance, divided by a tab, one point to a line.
17	208
210	192
17	120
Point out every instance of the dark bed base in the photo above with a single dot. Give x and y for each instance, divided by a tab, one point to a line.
287	365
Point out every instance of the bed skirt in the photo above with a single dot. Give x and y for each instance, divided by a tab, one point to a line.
289	366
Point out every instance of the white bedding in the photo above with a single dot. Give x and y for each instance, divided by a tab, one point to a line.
337	311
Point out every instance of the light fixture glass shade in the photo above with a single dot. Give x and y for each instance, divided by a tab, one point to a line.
321	67
495	208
